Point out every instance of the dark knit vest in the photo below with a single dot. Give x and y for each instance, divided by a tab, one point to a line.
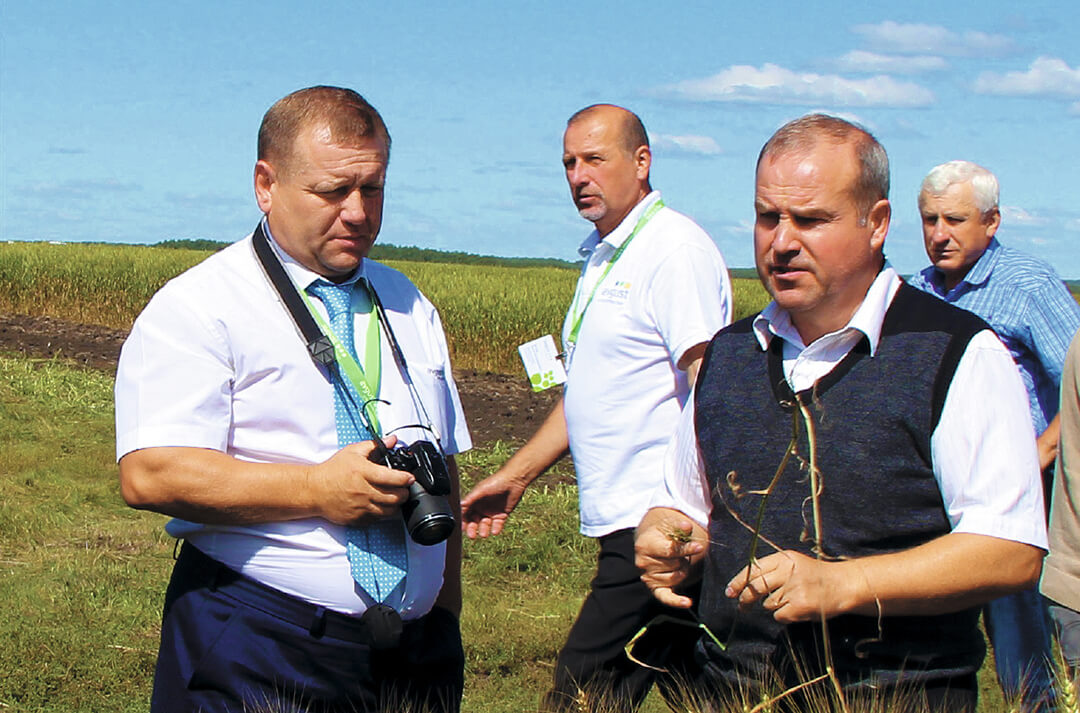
874	417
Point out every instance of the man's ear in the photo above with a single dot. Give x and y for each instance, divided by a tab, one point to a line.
264	183
642	162
878	220
992	221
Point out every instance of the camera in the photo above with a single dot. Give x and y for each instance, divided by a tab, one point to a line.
427	513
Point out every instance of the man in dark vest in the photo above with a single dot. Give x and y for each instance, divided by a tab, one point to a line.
845	484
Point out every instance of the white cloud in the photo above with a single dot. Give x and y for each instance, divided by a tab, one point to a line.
1073	225
915	38
1018	216
687	145
1046	76
741	228
772	84
872	62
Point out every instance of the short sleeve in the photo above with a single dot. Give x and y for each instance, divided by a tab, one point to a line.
173	380
983	449
690	297
683	486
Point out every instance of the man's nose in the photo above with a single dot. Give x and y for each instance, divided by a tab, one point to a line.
577	176
785	238
940	233
353	209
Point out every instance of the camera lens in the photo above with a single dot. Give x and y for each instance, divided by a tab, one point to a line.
428	517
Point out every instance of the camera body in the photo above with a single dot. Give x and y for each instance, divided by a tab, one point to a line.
427	513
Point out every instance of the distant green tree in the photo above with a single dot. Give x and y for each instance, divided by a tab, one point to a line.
192	244
395	252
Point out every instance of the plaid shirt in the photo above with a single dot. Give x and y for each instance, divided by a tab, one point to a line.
1028	306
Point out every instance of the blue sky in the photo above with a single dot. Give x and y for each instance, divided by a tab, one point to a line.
136	122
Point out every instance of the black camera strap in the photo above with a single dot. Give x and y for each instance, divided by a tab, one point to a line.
319	345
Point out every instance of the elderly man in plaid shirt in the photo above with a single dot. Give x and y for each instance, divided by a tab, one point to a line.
1033	313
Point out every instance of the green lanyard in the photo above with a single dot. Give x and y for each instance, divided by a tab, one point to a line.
366	381
576	317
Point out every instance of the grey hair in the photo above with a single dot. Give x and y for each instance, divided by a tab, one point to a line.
984	184
872	180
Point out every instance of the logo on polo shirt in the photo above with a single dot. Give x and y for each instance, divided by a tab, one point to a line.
619	291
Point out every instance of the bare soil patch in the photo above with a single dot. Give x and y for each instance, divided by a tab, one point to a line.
498	407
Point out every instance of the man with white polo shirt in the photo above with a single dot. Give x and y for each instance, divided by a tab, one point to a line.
653	291
297	585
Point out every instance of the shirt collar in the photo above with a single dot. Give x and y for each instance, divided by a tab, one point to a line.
300	275
980	271
776	321
978	274
618	236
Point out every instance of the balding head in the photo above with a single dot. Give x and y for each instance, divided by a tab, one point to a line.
631	131
818	246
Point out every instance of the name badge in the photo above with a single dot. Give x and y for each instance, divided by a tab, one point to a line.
542	364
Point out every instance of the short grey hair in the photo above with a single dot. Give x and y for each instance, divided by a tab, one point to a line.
984	184
803	134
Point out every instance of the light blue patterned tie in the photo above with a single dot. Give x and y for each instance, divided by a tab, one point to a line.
378	557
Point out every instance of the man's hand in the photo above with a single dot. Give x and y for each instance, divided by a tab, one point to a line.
795	587
485	509
1047	443
667	546
351	488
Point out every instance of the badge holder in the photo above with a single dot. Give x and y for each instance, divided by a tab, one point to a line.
542	363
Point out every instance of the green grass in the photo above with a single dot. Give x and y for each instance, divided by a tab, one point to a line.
80	574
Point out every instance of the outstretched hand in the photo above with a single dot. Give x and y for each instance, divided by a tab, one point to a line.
487	506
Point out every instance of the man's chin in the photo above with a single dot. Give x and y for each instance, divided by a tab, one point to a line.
592	214
342	265
789	297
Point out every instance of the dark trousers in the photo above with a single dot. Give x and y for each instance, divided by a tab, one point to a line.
592	667
1019	628
711	693
229	644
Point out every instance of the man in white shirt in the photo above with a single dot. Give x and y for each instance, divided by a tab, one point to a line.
911	502
297	583
653	291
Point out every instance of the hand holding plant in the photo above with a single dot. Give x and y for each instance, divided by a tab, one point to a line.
669	547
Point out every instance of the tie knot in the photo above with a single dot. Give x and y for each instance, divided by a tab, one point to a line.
337	298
